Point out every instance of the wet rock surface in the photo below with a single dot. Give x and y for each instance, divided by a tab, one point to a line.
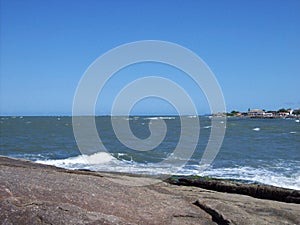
31	193
254	190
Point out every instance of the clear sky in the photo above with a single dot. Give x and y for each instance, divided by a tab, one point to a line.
253	48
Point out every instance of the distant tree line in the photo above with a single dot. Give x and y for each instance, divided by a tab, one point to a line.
282	110
296	112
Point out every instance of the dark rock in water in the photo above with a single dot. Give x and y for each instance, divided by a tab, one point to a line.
253	190
32	193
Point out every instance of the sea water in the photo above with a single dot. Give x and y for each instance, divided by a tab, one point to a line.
254	150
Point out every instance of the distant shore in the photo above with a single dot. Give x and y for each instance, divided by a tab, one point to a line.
267	114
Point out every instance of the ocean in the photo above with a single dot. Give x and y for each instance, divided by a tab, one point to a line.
263	151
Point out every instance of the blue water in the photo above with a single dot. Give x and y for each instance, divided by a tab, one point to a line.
254	150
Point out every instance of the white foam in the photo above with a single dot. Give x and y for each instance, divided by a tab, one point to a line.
167	117
161	118
260	175
105	162
152	118
256	129
81	161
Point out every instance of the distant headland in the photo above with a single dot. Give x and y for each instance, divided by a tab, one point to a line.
262	113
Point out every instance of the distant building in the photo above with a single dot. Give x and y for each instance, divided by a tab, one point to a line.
269	115
256	113
283	114
238	114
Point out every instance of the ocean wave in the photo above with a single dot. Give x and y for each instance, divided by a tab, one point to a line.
106	162
160	118
80	161
257	175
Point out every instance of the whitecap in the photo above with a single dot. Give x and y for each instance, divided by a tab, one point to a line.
152	118
256	129
166	117
261	175
161	118
80	161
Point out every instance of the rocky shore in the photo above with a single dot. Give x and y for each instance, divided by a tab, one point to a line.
254	190
32	193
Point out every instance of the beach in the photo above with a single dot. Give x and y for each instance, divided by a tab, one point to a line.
32	193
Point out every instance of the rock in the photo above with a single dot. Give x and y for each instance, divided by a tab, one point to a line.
40	194
32	193
254	190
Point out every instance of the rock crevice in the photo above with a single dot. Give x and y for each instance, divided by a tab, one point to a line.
216	216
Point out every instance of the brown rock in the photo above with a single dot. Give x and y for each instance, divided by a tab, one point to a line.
39	194
254	190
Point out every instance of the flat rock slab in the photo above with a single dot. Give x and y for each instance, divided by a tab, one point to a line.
32	193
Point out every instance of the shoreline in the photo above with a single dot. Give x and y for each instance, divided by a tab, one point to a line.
168	178
261	191
256	190
32	193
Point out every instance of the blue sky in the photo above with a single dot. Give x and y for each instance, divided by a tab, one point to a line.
252	47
